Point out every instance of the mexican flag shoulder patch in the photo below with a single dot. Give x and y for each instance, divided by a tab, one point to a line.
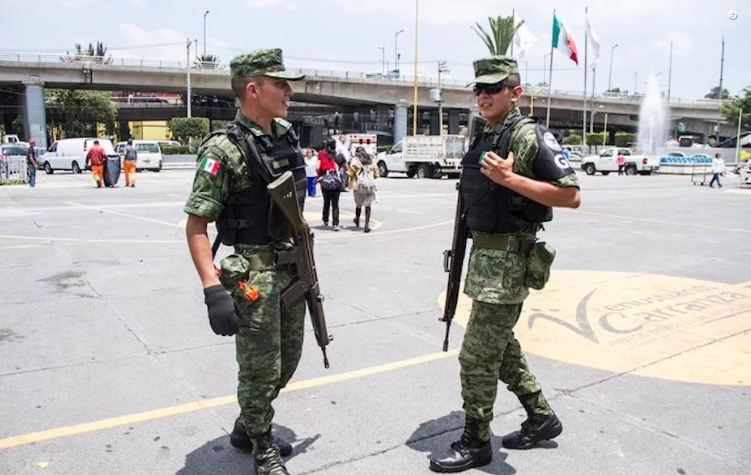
210	165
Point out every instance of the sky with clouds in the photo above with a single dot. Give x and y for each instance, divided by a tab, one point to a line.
356	35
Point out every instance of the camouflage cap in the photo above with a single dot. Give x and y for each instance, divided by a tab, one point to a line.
262	62
494	69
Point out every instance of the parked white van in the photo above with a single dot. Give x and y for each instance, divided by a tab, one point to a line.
70	154
149	154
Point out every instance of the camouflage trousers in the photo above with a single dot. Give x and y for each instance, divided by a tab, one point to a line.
268	347
491	352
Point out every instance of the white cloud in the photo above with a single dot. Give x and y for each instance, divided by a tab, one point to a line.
154	44
683	45
53	3
440	12
264	3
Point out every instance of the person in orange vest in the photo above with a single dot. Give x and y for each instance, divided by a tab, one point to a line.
96	157
130	157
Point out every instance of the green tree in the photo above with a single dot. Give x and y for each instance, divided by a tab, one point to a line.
18	127
572	139
737	105
207	61
502	31
185	128
715	93
596	138
75	113
94	53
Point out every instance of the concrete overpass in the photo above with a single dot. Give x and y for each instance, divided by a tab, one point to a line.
340	89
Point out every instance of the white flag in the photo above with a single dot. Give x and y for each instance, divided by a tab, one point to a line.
523	39
594	42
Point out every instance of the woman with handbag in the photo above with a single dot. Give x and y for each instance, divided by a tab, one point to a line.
331	182
361	177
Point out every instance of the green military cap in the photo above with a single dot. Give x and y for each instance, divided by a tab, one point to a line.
494	69
261	62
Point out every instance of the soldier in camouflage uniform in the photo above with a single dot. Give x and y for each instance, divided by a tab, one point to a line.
507	195
244	300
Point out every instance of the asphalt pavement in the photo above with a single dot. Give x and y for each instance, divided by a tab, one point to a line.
640	339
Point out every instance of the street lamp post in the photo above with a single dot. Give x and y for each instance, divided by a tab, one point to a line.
204	32
610	74
442	68
383	58
187	64
396	49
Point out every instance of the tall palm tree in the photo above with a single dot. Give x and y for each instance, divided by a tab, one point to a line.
207	61
502	31
97	54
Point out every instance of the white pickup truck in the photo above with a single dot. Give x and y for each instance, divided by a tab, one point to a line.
607	161
424	156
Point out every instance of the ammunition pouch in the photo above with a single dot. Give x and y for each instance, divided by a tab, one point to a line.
539	261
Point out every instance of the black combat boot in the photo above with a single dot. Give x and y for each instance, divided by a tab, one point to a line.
268	460
469	452
239	439
357	217
535	429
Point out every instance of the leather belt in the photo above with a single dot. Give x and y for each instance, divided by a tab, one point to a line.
503	242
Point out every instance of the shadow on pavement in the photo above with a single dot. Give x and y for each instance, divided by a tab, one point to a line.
435	437
218	456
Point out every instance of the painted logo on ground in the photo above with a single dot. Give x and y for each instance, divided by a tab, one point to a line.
648	325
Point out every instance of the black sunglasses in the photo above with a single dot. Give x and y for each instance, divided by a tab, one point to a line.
490	88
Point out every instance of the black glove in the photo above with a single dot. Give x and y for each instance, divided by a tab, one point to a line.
223	310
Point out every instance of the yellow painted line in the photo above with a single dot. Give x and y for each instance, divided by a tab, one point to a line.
16	248
127	215
344	234
348	235
80	240
657	221
61	432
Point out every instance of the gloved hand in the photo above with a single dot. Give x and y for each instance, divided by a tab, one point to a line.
223	310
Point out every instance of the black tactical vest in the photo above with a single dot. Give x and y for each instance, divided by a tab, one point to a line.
250	216
493	208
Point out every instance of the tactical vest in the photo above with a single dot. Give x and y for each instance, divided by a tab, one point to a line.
493	208
250	216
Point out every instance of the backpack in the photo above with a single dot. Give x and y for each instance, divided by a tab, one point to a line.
365	182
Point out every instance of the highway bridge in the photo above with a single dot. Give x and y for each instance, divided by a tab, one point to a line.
348	92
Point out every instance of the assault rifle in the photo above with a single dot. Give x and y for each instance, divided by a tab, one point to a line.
305	284
453	261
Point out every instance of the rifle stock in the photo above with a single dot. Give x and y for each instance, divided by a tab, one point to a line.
284	194
453	261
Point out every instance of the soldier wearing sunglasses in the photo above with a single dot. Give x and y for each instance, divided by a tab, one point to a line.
513	175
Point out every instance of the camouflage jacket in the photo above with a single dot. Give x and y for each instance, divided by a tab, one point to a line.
496	276
221	171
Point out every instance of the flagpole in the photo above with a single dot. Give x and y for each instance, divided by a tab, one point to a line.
584	113
550	78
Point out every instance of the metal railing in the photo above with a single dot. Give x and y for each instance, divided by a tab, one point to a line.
13	170
219	68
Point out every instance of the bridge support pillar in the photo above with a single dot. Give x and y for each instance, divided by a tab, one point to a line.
453	122
34	116
400	121
434	123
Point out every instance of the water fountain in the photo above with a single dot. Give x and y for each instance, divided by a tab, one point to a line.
653	121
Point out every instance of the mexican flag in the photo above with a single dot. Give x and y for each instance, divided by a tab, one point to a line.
210	165
563	40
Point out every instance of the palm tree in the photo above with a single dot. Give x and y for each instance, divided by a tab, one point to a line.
96	54
207	61
502	31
